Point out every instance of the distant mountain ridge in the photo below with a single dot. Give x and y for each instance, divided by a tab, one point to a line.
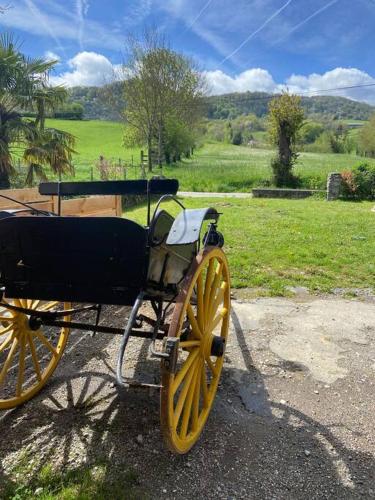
232	105
108	103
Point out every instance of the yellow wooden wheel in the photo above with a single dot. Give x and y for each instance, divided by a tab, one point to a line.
28	357
201	321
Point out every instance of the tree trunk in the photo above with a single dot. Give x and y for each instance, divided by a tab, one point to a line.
285	151
160	146
4	180
149	153
5	164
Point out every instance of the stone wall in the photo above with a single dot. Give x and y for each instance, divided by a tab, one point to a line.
334	181
283	193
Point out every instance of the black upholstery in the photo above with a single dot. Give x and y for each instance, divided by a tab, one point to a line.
80	259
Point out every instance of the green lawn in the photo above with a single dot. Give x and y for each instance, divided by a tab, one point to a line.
272	244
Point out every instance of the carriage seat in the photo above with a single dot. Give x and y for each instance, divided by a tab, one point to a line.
79	259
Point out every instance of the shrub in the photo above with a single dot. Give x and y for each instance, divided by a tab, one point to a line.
359	182
237	138
310	131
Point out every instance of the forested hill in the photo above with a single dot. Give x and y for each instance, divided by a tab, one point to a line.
233	105
107	103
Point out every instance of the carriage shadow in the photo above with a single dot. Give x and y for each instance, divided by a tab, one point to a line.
82	419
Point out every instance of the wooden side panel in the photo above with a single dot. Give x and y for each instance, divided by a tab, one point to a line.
27	195
93	206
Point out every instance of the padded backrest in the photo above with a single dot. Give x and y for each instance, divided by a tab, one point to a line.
138	187
91	259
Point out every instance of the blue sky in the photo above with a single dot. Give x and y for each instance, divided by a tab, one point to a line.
241	45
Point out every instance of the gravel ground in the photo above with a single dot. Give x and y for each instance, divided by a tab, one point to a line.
293	418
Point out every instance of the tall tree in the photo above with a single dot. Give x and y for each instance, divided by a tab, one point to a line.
23	87
286	117
161	88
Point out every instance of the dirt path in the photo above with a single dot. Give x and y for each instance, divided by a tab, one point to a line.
294	416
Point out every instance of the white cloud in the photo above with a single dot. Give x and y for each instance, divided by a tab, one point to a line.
338	77
88	68
51	56
255	79
258	79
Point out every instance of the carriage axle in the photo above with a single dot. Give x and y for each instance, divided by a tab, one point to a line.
35	323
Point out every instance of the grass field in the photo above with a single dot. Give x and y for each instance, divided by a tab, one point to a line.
273	244
214	167
227	168
95	138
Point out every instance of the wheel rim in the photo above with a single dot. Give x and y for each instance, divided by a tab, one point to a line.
27	357
200	318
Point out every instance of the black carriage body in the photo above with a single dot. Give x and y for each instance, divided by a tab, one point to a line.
102	260
90	259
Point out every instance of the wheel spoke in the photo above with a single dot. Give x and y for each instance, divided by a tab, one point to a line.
46	342
6	343
204	386
6	318
218	318
34	357
35	304
213	290
196	398
219	299
182	395
200	302
193	322
207	288
21	367
8	361
7	329
188	405
211	366
184	369
190	343
47	307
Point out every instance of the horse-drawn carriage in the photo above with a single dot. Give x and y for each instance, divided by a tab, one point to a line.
55	269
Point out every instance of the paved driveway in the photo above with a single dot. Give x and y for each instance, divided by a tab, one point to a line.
294	416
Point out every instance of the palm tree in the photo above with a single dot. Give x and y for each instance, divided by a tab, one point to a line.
48	148
24	87
46	99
